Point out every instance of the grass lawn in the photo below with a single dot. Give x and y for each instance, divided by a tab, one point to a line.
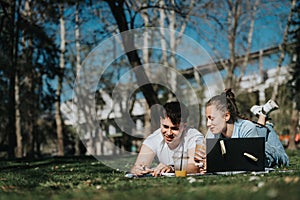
88	178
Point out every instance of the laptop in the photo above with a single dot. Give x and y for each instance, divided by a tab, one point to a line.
235	154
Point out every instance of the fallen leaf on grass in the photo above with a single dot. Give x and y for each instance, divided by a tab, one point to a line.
272	193
8	188
88	182
290	179
253	178
191	179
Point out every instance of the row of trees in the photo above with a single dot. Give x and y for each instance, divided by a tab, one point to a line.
43	44
28	56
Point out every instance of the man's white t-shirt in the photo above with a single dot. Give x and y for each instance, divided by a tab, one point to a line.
156	143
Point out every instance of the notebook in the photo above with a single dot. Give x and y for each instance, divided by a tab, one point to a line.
235	154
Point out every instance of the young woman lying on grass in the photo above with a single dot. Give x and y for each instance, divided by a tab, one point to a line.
225	121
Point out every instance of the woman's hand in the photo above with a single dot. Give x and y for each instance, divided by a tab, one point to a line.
200	158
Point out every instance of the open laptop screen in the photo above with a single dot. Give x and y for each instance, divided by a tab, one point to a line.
235	154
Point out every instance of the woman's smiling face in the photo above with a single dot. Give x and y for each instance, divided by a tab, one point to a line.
216	119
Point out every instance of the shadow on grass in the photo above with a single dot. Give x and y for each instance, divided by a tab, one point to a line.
24	163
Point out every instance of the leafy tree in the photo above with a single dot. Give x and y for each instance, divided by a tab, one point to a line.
30	60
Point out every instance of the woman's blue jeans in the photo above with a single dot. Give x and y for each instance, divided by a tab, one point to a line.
274	151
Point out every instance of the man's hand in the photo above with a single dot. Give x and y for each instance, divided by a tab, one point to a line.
162	168
140	170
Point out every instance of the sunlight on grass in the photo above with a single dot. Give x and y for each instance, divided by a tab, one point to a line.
88	178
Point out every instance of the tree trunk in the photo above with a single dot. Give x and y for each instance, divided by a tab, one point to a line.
28	46
233	17
19	149
162	17
293	127
249	39
11	127
172	76
283	50
15	39
78	66
11	106
133	57
147	119
58	120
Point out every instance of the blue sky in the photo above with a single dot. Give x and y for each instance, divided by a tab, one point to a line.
268	33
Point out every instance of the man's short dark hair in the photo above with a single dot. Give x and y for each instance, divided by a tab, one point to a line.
176	111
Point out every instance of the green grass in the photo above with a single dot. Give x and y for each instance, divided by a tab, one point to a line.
88	178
